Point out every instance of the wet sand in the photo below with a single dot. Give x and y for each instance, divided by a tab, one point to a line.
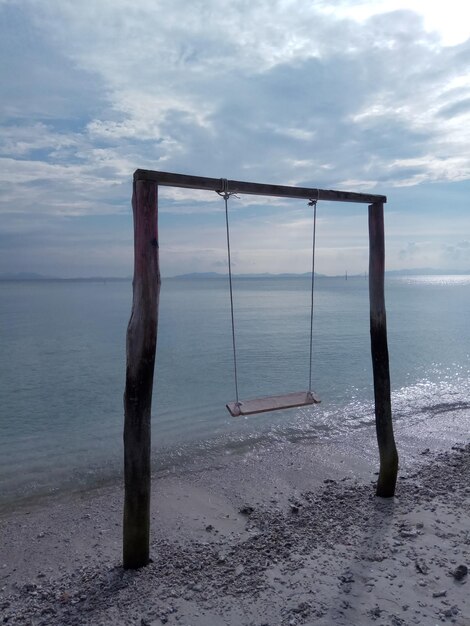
286	535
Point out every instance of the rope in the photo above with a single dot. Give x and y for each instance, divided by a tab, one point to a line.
314	204
225	193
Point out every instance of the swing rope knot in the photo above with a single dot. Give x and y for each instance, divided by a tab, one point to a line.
313	202
224	192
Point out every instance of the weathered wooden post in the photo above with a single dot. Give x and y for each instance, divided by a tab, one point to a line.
379	348
141	345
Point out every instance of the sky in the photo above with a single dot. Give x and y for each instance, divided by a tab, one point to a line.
369	96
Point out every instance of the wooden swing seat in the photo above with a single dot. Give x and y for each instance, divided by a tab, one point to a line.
272	403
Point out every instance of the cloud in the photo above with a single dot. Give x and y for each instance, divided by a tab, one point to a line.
57	245
458	252
263	91
38	80
260	90
461	107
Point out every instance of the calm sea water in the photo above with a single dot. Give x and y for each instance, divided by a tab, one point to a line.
62	369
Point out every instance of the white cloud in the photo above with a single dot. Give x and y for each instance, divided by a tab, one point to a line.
262	86
353	95
449	19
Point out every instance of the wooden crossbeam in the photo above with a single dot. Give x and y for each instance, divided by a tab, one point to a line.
168	179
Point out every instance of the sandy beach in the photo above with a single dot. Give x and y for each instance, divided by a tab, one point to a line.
285	535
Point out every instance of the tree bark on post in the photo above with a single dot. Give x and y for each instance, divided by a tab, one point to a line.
380	361
141	346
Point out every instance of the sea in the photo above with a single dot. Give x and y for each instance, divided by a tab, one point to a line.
63	361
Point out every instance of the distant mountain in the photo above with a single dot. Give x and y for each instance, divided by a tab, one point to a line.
200	275
426	271
23	276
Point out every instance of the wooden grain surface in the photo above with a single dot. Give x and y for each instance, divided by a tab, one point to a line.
272	403
282	191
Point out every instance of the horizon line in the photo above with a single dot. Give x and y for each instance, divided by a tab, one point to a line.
32	276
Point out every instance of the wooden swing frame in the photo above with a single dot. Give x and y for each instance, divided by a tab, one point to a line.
142	338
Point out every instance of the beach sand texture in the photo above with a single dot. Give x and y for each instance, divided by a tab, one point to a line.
284	537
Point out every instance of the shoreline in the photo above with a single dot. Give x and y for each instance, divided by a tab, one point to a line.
317	546
449	423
